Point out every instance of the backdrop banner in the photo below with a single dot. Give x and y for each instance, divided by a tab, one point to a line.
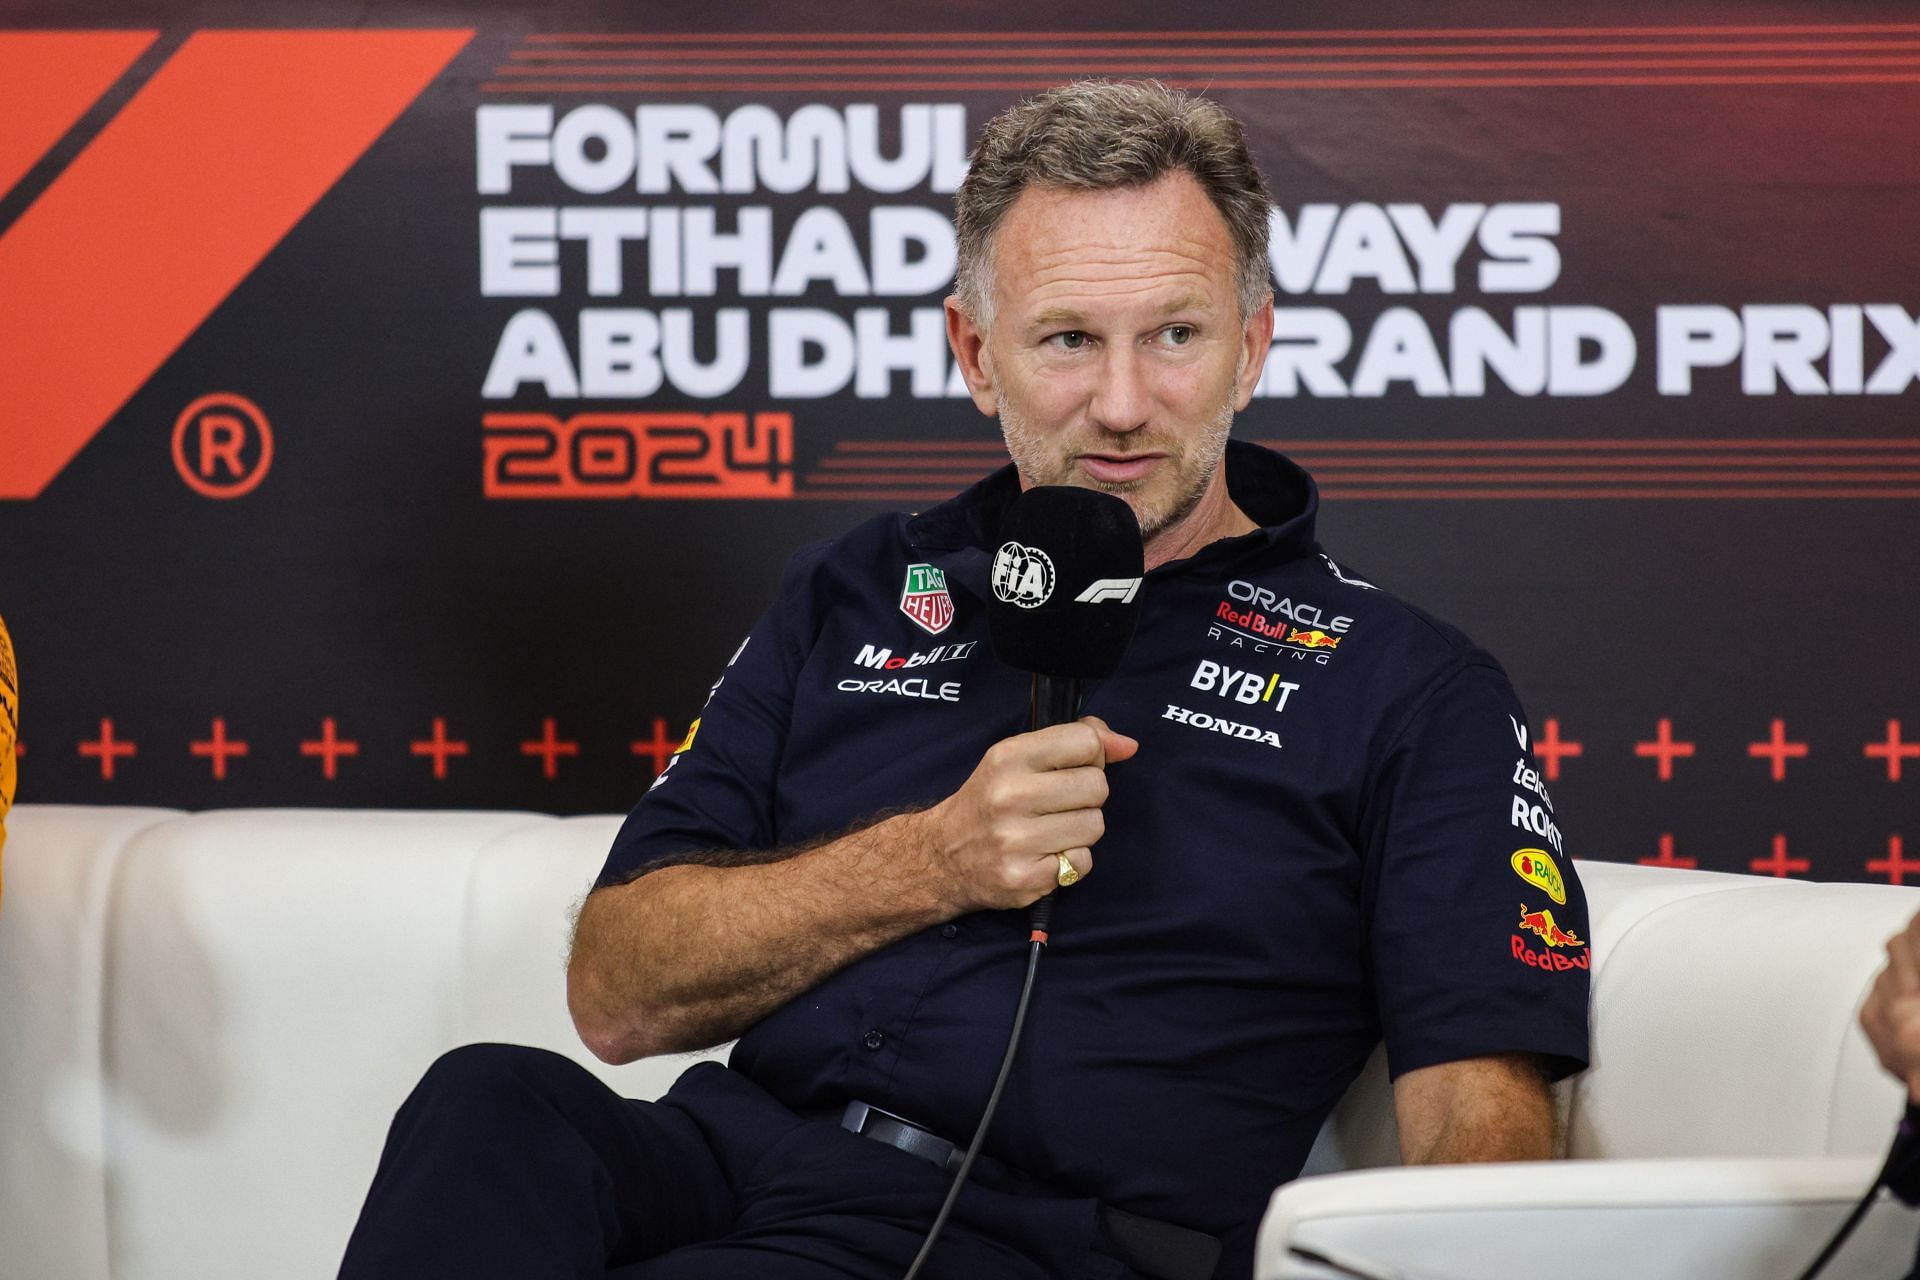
419	415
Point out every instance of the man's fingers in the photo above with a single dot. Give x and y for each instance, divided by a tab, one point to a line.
1114	747
1061	746
1064	790
1058	832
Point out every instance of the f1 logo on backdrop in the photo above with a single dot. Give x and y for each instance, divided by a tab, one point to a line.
182	194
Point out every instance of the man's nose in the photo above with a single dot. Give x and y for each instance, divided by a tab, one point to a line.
1121	399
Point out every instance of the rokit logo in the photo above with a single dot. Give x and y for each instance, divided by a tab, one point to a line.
1221	725
887	660
1526	815
1250	688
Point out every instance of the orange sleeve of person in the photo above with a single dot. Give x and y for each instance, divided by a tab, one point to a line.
9	727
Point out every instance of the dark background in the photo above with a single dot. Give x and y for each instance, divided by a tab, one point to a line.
368	580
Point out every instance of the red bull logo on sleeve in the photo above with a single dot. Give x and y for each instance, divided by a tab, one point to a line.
1542	924
1550	961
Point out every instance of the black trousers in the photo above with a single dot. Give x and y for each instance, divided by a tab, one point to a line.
520	1164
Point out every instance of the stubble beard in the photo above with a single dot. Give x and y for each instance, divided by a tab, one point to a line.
1040	461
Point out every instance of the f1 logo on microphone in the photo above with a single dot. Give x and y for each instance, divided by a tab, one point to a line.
1102	589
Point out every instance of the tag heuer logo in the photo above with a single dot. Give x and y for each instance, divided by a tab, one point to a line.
924	598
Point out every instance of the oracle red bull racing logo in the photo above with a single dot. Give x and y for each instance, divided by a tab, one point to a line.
1273	623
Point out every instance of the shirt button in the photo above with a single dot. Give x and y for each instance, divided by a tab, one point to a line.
873	1040
950	931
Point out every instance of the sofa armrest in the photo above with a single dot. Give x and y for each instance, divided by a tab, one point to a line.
1668	1219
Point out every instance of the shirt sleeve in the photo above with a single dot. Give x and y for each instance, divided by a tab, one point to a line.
717	792
1477	922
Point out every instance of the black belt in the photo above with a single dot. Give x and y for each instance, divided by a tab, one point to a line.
1153	1248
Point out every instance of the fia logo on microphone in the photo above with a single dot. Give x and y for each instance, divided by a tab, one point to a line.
1022	575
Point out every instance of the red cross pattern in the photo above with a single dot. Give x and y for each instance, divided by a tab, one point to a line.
1551	747
1666	858
219	746
1779	864
1777	749
1894	866
1893	751
550	748
439	746
1665	749
659	748
329	747
106	747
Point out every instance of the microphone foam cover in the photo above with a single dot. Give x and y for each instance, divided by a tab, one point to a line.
1065	583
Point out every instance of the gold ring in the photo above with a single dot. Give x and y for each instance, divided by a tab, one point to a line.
1066	874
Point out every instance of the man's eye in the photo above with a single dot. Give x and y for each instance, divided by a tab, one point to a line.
1072	339
1180	334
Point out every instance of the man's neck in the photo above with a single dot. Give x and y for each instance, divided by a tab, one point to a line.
1214	517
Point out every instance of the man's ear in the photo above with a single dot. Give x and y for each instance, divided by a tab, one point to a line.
969	343
1255	341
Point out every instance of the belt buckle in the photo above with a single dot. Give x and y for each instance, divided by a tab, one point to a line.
900	1133
854	1119
860	1116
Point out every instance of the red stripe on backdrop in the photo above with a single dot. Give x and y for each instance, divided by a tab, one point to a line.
1337	446
1335	473
1363	494
1872	466
871	67
1332	475
1350	33
48	79
1868	467
831	85
1808	442
147	231
802	57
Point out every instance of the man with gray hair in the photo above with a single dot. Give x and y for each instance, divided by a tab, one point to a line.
1305	798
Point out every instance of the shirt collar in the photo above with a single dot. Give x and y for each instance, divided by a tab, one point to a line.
1274	491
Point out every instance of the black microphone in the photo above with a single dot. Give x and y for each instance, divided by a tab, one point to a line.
1066	595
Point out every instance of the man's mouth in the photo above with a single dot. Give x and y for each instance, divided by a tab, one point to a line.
1119	468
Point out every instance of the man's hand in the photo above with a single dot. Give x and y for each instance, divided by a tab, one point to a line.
692	954
1031	797
1493	1108
1891	1015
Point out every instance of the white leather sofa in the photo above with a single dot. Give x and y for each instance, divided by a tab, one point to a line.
206	1022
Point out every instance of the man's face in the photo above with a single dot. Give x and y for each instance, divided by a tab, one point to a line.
1117	356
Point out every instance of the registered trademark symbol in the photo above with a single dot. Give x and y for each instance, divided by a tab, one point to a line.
222	445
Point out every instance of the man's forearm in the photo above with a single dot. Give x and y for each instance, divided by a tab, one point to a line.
693	954
690	955
1492	1108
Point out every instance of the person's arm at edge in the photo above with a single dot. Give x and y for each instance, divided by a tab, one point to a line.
693	953
1476	1109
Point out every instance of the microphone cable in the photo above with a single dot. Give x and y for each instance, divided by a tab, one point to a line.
1038	914
1899	1154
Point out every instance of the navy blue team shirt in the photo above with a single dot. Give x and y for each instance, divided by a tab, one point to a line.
1332	834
